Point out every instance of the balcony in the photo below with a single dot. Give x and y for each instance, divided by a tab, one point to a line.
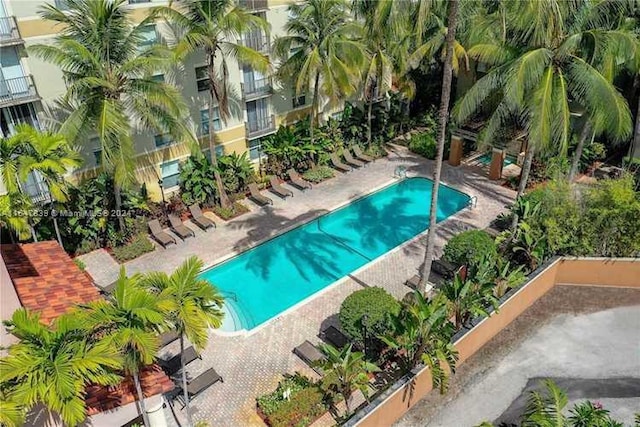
260	127
9	34
254	5
17	91
256	41
256	89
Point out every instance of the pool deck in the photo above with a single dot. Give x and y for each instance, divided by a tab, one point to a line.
253	364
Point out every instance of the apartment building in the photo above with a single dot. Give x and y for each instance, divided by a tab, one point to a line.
29	88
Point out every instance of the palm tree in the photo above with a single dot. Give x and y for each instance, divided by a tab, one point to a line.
422	332
320	51
130	320
52	365
11	412
213	26
110	84
544	65
345	372
469	297
30	151
192	305
443	117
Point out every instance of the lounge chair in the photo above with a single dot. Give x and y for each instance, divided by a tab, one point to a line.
257	197
414	283
198	218
106	290
173	365
201	383
350	160
360	155
311	355
338	164
297	180
335	337
279	189
168	337
160	236
179	228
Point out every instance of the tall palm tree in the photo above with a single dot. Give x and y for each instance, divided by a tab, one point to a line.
192	305
422	332
320	51
214	26
46	154
130	320
109	77
443	117
52	365
346	371
545	64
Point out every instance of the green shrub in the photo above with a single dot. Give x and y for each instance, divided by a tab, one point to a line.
301	410
377	304
375	150
138	246
197	181
318	174
424	144
469	247
236	209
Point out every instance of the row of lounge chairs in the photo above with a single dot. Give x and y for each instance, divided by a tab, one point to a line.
178	227
359	161
172	366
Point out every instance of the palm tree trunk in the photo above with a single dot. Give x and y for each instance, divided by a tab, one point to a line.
143	408
524	178
117	195
314	106
184	382
635	145
55	226
224	198
575	163
346	394
369	120
443	116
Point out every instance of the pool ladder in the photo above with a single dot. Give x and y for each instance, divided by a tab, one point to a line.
473	202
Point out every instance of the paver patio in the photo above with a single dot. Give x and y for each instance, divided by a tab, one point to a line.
253	364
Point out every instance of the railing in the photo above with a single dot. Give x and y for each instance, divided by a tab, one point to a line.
260	127
37	192
256	88
16	89
256	41
9	30
253	4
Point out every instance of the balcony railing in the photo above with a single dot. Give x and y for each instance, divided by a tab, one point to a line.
256	41
9	33
13	91
260	127
253	5
256	88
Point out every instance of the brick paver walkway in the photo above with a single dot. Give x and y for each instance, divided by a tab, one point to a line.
252	365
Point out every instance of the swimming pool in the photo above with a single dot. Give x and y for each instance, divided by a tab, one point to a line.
485	159
262	282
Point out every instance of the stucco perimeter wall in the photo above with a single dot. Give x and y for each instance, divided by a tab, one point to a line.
620	272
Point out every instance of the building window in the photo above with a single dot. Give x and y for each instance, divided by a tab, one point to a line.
219	152
298	101
202	79
158	78
170	173
204	120
255	149
149	36
163	140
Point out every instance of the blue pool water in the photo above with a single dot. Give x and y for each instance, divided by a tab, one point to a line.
264	281
485	159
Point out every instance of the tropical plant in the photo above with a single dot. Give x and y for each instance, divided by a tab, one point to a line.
214	26
422	332
12	207
52	365
46	155
345	372
197	182
110	86
544	64
237	171
527	244
192	306
589	414
11	412
443	117
128	319
506	277
320	51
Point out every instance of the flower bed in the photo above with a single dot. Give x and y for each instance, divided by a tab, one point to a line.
297	401
138	246
234	211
